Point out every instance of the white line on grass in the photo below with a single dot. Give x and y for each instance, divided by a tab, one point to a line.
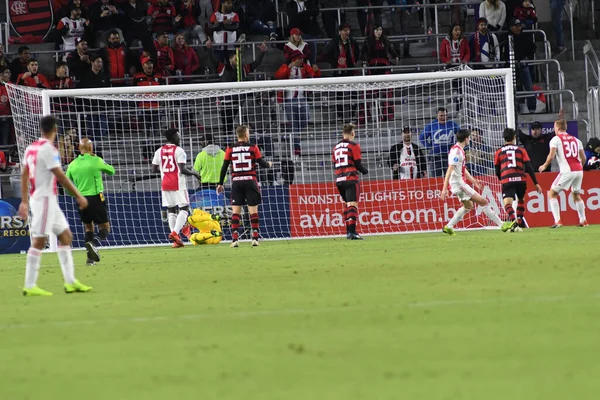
296	311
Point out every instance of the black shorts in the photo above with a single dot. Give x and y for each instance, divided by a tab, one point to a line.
245	192
513	189
95	211
349	190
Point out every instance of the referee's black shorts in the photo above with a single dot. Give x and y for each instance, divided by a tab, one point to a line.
349	190
245	193
512	189
95	211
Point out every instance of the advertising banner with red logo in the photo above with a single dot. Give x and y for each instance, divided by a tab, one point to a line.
390	206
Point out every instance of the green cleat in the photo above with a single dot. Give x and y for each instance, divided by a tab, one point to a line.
76	287
35	291
216	233
449	231
508	225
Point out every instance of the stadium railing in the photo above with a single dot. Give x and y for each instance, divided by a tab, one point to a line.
592	70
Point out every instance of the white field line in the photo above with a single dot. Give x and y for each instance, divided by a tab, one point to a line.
297	311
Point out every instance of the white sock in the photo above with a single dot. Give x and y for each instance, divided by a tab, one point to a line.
65	257
458	216
580	210
555	207
181	219
32	267
491	215
172	218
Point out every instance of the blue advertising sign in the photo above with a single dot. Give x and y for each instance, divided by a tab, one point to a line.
14	232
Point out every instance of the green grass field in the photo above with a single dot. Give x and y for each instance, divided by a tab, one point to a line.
482	315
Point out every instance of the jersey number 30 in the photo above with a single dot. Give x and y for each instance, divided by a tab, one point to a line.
341	157
571	149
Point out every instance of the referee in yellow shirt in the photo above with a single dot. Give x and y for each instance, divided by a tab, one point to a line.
86	173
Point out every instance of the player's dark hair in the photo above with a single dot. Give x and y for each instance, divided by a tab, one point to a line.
23	49
462	135
509	134
171	134
240	131
442	109
32	60
348	129
48	124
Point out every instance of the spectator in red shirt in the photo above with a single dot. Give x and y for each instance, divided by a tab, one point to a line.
190	21
61	78
165	60
31	78
5	113
455	47
63	105
186	60
224	25
162	17
296	44
117	59
526	13
78	60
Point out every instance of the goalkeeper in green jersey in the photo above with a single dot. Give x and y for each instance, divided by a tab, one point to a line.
86	173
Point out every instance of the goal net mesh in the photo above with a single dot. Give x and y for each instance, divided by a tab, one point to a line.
296	127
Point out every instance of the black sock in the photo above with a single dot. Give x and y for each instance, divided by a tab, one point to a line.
89	237
103	234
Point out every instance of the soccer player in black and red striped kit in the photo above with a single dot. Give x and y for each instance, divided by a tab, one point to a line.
348	163
511	162
243	158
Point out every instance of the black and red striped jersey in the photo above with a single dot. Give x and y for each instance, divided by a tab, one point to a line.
345	155
511	159
243	157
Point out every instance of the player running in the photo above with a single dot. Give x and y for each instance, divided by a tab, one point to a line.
454	180
243	158
511	162
86	173
170	160
41	170
347	161
570	155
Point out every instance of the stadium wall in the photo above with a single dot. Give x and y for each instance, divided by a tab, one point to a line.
310	210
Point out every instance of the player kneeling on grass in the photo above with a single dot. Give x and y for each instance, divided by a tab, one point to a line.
511	162
170	160
570	155
243	158
208	225
454	180
41	169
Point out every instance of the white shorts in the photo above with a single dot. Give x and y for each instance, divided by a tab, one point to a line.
464	192
46	217
568	181
175	198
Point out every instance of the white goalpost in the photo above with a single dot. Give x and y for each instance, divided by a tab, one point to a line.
296	123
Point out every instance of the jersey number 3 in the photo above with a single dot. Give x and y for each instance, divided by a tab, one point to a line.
341	157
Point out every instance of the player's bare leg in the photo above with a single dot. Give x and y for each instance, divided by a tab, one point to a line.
92	252
485	207
174	222
32	268
235	226
580	205
457	217
254	224
351	214
65	257
555	208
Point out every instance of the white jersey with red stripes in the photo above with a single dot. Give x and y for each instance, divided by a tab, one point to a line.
567	152
168	158
40	158
456	157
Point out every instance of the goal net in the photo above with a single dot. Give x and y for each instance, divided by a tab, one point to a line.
296	123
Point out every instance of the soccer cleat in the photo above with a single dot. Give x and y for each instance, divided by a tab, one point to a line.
235	243
186	231
508	225
216	233
76	287
174	237
356	236
92	251
215	217
583	223
449	231
348	235
556	225
35	291
90	263
255	243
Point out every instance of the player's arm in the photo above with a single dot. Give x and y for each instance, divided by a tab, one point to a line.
582	156
549	159
449	172
24	206
357	155
104	167
69	186
188	172
471	179
360	167
498	171
224	168
264	164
